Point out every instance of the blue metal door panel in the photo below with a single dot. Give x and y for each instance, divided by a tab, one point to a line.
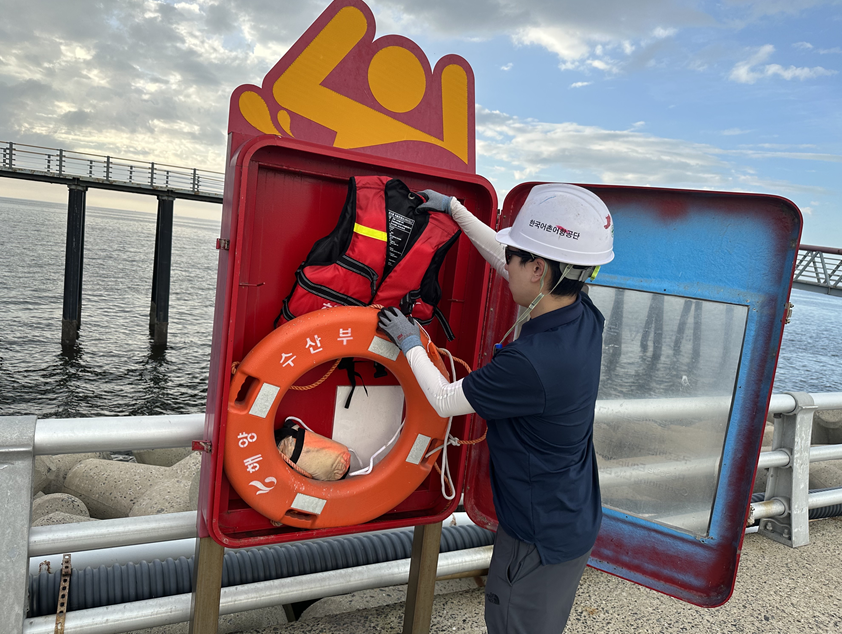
713	271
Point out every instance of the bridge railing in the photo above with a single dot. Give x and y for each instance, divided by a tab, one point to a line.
61	163
819	266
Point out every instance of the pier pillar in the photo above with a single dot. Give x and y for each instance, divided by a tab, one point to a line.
71	316
160	307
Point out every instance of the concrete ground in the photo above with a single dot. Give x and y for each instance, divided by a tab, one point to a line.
778	589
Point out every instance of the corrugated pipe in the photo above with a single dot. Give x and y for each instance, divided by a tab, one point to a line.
834	510
96	587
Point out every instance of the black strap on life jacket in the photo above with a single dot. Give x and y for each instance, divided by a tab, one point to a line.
349	365
291	428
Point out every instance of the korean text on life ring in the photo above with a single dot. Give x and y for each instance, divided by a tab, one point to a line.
253	463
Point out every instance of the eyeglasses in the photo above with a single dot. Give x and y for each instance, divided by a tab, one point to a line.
523	255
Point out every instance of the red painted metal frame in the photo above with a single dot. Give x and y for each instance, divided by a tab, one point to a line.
282	196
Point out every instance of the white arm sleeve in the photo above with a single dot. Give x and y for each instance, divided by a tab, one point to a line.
447	399
483	237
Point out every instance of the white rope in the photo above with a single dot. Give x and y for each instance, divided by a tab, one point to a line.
388	445
448	440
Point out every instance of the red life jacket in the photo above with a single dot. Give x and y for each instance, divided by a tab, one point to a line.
382	251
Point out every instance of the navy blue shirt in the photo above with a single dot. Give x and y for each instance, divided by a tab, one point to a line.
537	396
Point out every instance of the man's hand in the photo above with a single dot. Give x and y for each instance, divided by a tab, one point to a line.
435	201
404	333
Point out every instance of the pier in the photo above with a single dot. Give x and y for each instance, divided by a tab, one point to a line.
80	171
819	269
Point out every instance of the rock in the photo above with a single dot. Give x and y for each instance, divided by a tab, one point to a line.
53	519
62	465
180	492
760	481
826	475
193	496
43	472
58	503
110	489
831	418
827	427
188	467
168	496
162	457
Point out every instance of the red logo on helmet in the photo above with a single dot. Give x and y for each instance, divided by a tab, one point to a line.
608	218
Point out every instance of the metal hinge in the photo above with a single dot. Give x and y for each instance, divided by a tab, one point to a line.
788	312
202	445
64	589
223	244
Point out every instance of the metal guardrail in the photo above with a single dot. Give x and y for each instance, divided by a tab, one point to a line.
21	438
94	168
176	609
819	269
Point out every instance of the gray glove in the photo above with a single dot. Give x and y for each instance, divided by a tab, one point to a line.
404	333
435	201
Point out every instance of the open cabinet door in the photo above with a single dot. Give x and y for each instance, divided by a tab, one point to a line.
694	304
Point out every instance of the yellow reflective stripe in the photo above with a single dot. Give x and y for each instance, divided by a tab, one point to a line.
368	231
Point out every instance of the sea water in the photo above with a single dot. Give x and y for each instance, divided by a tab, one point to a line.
114	368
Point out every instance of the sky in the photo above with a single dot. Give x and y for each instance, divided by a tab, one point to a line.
734	95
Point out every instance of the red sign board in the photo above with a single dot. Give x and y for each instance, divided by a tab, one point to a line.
340	87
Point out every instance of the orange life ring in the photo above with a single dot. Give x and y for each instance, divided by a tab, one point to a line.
254	465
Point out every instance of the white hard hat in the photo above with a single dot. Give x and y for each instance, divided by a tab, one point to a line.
563	223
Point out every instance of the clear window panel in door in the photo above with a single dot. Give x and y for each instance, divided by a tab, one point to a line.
669	370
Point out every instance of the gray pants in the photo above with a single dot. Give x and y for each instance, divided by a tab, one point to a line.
522	596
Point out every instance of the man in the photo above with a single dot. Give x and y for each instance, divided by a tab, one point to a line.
537	396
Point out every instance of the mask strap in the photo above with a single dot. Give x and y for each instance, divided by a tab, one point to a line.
534	302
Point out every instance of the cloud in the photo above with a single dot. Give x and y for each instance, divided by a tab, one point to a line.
580	84
583	35
578	153
507	66
806	46
589	152
754	9
138	78
752	69
734	132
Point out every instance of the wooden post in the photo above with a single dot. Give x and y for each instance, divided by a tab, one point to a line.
422	579
159	308
207	586
71	316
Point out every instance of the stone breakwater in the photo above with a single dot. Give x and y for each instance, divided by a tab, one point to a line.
87	487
